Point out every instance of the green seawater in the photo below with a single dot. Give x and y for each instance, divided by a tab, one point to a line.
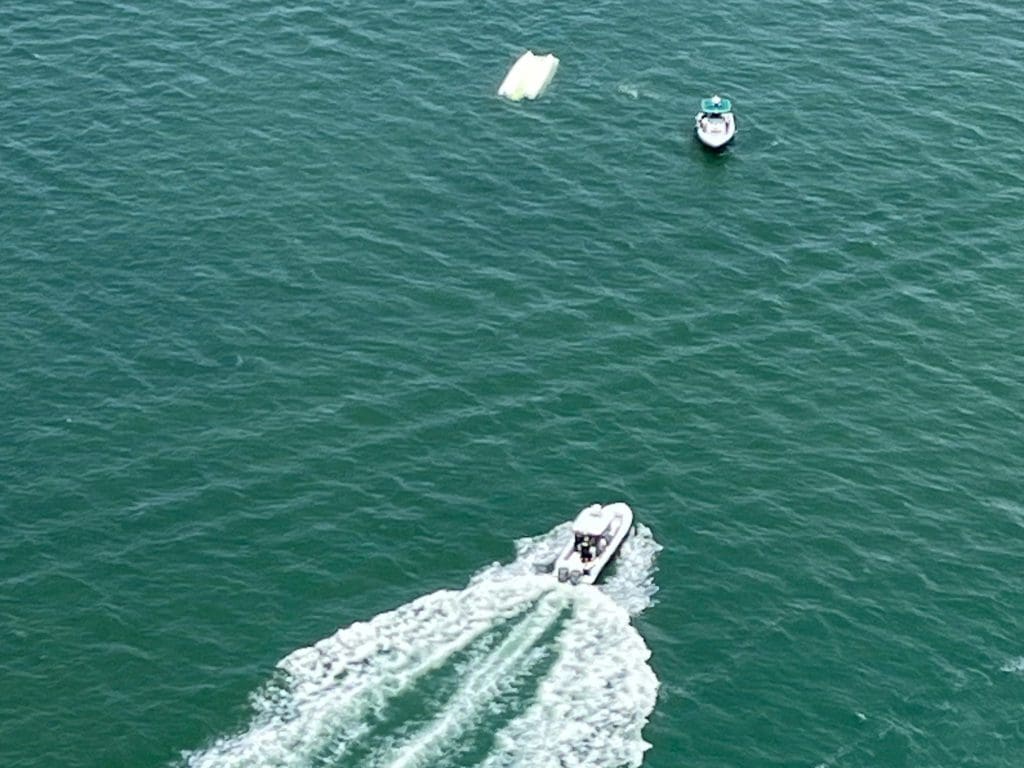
301	324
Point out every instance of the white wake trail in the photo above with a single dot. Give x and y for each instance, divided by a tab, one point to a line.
328	689
591	707
324	697
487	680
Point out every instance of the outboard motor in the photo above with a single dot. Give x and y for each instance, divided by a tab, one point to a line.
563	574
574	577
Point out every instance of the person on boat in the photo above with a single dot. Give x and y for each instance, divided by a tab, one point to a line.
586	550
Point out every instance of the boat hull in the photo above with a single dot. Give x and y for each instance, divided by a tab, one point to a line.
598	533
529	77
715	132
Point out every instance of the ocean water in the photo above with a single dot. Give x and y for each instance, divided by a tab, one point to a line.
310	345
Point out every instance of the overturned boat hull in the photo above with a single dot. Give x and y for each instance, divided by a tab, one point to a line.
529	76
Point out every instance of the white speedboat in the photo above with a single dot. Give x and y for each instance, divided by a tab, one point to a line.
597	534
715	123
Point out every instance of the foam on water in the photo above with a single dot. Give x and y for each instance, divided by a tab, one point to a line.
588	708
1013	665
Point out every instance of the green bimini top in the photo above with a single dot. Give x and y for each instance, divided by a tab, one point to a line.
715	105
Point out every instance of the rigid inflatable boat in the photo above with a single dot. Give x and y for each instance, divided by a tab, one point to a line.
597	534
715	123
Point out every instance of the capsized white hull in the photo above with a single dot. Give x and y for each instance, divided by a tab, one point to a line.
529	77
715	131
598	532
